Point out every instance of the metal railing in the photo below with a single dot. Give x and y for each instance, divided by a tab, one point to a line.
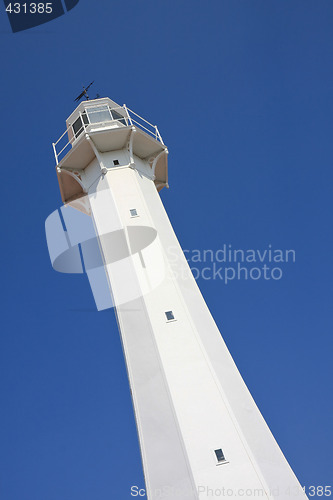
119	116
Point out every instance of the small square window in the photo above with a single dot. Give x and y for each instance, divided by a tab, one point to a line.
133	212
220	455
169	315
116	162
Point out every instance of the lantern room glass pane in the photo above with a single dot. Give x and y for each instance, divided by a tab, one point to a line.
99	114
77	127
85	118
118	116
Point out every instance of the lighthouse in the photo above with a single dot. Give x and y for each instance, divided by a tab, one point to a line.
201	434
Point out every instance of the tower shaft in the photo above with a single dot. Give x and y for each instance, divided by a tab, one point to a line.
188	395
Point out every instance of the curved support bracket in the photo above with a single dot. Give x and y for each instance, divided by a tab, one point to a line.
130	146
165	151
97	153
75	176
71	185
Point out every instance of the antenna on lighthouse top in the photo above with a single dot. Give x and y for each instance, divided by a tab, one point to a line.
84	93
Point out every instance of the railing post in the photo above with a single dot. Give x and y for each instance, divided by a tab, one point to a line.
128	115
55	153
159	135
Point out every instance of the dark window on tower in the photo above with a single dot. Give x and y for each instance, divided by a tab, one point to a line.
169	315
116	162
220	455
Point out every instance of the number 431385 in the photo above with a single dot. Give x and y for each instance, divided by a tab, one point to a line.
29	8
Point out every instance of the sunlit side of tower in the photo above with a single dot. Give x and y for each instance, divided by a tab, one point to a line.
198	426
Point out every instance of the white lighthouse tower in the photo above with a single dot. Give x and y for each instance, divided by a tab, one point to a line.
201	433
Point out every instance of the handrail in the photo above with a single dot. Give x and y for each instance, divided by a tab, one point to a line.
125	115
145	128
140	117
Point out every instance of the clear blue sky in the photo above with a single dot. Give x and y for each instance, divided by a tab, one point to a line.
242	94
